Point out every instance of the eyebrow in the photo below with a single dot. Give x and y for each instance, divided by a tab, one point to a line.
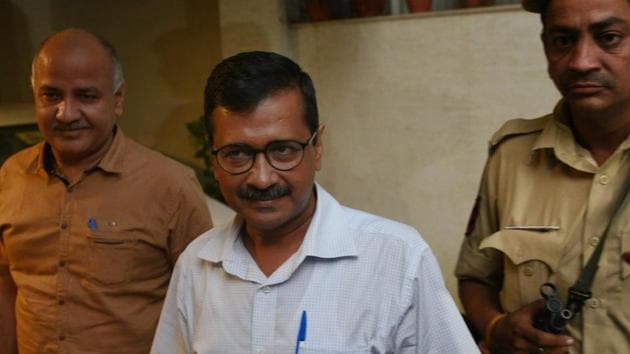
594	27
87	90
47	88
610	21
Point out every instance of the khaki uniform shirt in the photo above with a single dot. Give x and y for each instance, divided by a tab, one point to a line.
92	260
543	207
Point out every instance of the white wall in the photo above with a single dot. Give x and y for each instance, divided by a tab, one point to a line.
410	102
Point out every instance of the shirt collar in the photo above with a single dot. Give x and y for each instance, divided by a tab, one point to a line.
114	159
112	162
327	235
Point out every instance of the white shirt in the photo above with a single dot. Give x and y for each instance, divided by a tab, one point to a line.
366	284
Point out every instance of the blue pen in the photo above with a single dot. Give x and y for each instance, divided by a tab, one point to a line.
301	337
92	223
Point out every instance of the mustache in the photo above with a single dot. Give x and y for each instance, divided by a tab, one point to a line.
573	77
272	192
75	125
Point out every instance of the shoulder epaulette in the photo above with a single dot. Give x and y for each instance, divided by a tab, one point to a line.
517	127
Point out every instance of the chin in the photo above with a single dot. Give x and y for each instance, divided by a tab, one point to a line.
264	221
587	103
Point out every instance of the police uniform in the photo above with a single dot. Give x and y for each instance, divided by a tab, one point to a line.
543	206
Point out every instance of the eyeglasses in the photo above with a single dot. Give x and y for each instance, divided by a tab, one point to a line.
283	155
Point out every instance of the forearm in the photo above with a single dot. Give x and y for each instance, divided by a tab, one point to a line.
481	303
8	342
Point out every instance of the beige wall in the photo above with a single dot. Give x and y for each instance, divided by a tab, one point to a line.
167	49
410	102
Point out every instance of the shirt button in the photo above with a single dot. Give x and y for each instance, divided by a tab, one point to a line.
266	289
70	189
62	263
62	337
593	303
528	271
604	179
62	301
594	241
64	226
626	257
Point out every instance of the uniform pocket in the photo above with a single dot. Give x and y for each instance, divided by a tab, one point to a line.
109	258
530	258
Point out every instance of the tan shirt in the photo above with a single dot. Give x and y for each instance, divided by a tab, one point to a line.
92	260
543	206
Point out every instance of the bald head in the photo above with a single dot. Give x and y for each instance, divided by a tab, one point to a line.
80	42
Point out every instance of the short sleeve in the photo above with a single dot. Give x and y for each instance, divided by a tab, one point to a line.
482	265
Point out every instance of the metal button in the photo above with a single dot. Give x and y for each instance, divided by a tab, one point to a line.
604	179
626	257
594	241
528	271
266	289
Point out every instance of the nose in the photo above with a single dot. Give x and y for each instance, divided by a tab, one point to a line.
584	56
262	174
67	111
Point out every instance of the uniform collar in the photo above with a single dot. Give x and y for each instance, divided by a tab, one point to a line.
557	135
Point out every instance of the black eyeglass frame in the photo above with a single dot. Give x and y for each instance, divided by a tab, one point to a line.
264	151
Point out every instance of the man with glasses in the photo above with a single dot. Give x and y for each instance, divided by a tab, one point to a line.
295	270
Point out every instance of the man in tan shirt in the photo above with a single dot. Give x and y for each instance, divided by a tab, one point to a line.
91	223
549	190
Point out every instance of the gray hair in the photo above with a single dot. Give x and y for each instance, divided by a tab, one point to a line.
117	72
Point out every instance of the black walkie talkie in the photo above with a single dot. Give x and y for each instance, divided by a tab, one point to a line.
554	317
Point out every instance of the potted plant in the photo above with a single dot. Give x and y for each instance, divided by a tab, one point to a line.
475	3
364	8
418	5
318	10
197	130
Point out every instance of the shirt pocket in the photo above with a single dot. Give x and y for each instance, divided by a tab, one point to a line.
108	259
531	257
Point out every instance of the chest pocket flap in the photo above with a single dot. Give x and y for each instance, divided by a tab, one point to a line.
521	246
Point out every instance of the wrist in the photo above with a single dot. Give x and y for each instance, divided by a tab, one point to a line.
492	324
